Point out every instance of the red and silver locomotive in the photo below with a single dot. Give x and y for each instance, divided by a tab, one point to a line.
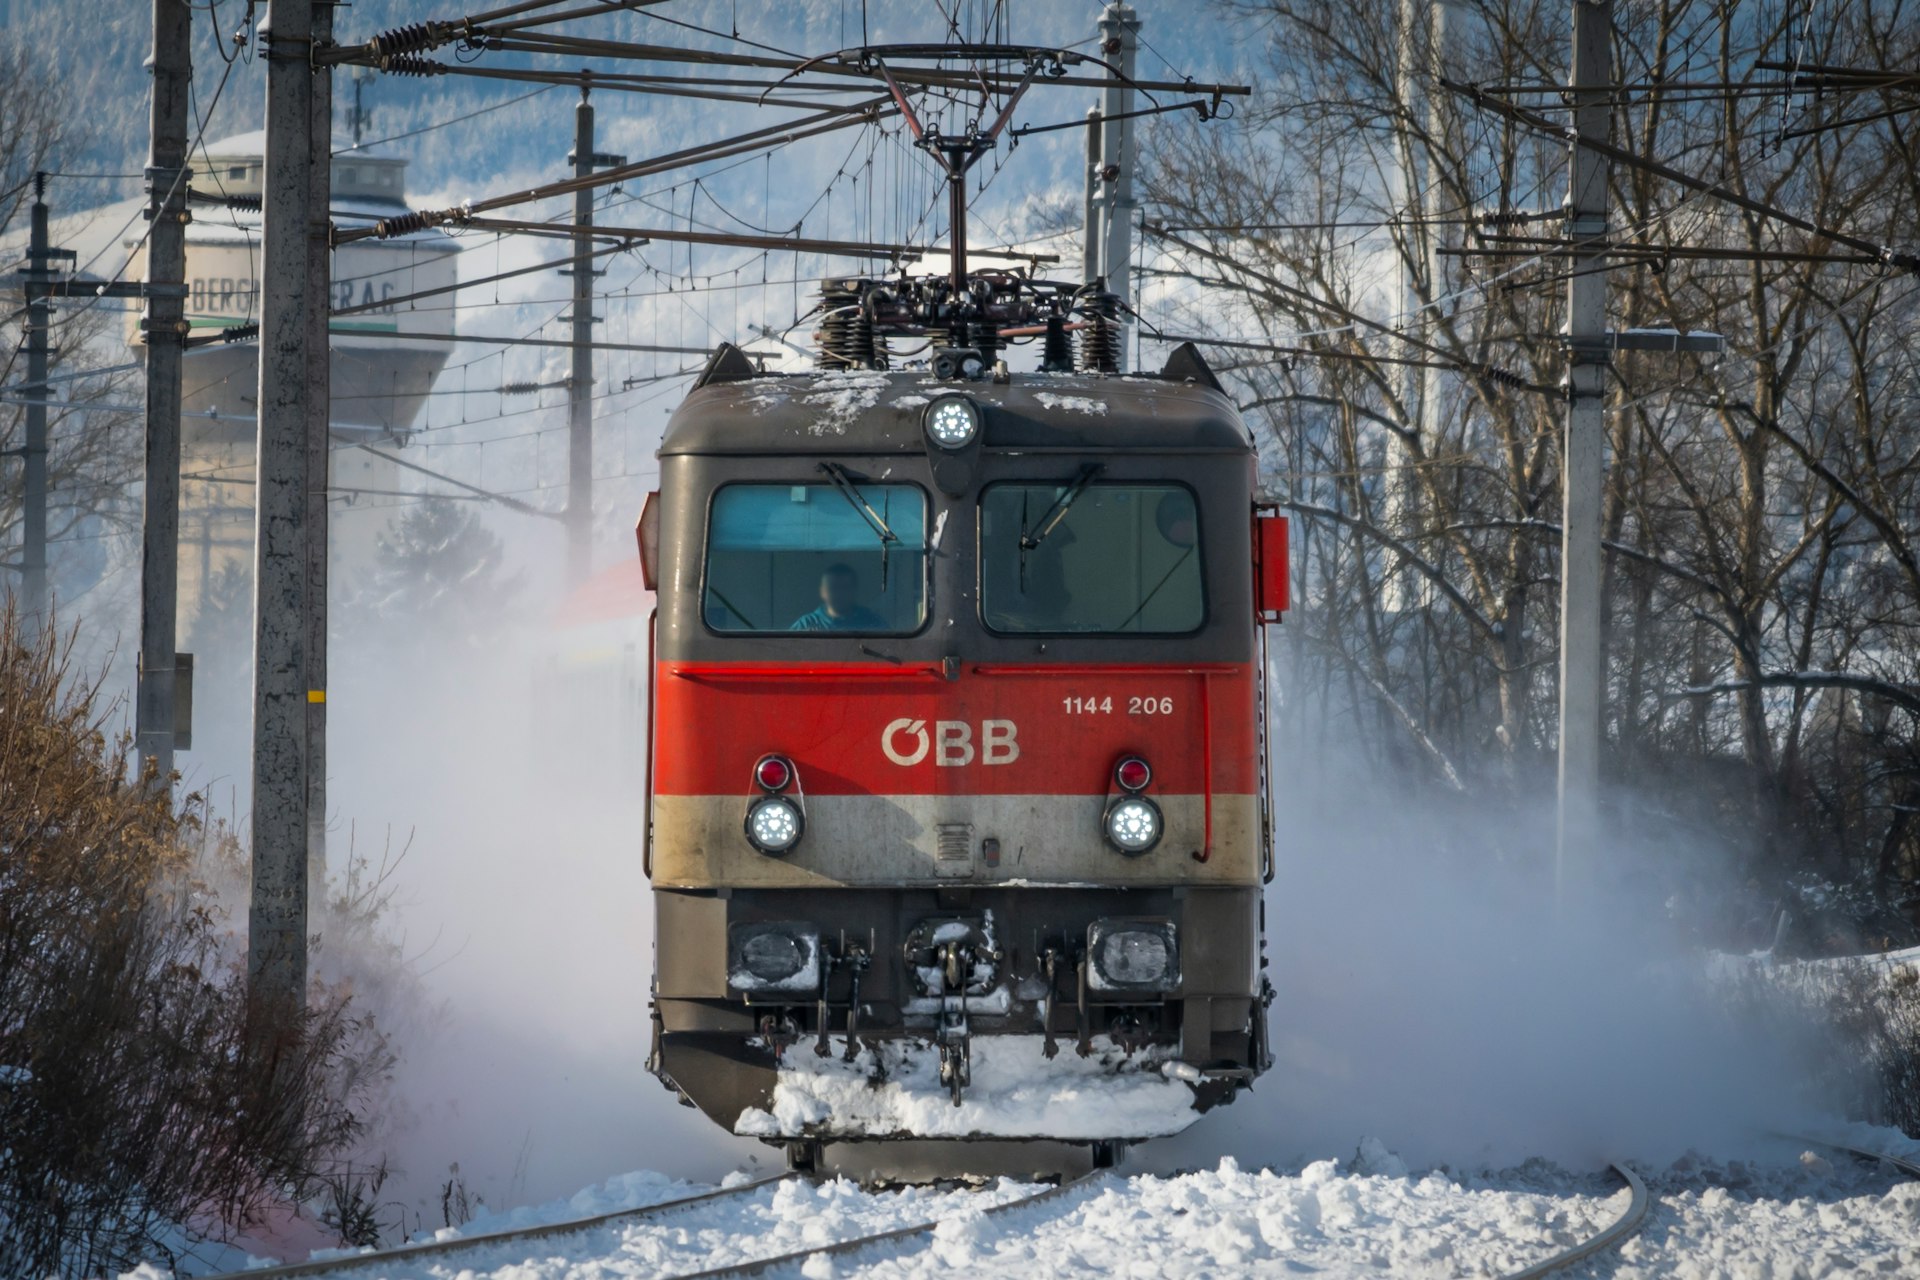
958	808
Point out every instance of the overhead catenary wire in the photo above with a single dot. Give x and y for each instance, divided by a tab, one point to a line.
1905	261
624	82
783	134
552	12
447	123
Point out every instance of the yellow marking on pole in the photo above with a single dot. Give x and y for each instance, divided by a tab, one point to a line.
316	695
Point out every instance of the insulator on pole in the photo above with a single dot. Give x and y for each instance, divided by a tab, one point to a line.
415	37
403	65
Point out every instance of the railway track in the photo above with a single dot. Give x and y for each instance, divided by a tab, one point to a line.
1909	1167
1614	1234
386	1261
1629	1223
919	1230
395	1262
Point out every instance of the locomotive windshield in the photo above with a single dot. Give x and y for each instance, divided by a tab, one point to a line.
838	556
1081	556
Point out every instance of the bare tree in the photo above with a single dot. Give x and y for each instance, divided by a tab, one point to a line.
94	452
1377	232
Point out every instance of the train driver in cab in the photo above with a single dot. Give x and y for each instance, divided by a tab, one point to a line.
840	608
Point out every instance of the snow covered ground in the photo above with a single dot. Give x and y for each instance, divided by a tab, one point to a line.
1795	1212
893	1087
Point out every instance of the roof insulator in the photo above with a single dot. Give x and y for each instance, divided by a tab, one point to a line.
415	37
410	66
418	220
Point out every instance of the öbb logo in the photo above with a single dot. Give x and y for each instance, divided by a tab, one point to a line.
951	743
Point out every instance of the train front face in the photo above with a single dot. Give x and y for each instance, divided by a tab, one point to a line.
957	823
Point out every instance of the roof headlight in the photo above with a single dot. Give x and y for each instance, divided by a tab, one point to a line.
952	422
774	824
1133	825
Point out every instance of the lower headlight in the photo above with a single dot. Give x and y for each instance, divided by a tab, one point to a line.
774	824
1133	955
1133	824
776	957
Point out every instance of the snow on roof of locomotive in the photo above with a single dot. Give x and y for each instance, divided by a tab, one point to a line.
880	412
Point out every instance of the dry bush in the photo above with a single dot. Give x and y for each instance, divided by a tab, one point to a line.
136	1092
1876	1018
1855	1025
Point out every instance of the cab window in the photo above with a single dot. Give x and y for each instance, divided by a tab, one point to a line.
1085	557
816	558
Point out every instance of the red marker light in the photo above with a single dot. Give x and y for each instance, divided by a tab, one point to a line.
1132	773
773	773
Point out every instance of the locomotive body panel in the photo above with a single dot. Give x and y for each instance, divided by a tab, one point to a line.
1071	590
889	764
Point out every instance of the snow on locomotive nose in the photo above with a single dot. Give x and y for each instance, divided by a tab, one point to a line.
957	814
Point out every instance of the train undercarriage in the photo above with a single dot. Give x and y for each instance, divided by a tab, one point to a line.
805	1017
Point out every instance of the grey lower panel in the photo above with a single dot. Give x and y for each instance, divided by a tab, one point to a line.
880	841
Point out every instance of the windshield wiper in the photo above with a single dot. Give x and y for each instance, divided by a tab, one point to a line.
844	483
875	521
1051	518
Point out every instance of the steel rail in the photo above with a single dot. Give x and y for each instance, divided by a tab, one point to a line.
1909	1167
856	1244
439	1248
1616	1233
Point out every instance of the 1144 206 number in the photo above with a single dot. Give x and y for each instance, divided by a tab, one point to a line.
1139	705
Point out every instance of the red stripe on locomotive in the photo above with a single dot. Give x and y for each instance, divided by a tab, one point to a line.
858	729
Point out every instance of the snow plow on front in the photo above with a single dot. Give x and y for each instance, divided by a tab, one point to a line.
957	818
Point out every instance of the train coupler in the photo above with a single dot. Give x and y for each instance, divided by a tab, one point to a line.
856	962
956	1053
780	1032
822	1048
1083	1019
952	1034
1050	966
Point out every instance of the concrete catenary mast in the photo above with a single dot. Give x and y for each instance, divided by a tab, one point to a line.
1582	657
33	549
164	331
1109	203
319	442
580	374
293	377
